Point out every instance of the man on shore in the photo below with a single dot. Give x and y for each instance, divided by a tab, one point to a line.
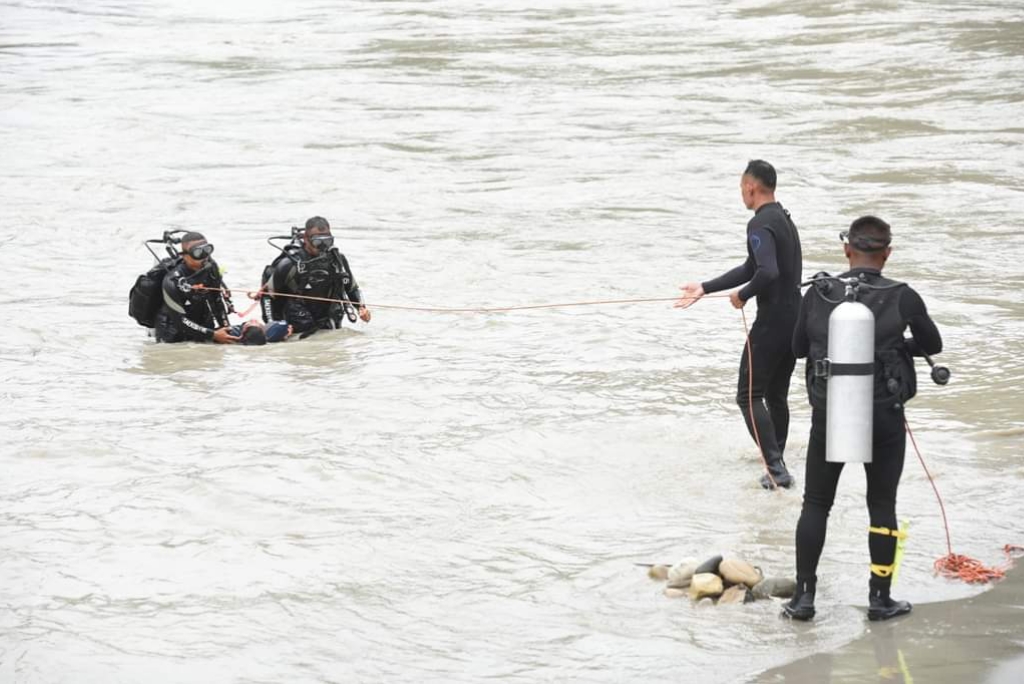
895	306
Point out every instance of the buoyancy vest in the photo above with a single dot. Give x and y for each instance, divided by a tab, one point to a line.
895	378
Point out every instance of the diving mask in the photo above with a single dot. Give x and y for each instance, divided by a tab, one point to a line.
200	252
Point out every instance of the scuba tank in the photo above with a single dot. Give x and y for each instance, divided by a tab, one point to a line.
146	296
859	377
841	379
850	369
271	306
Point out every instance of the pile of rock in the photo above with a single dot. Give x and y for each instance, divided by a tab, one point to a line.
719	580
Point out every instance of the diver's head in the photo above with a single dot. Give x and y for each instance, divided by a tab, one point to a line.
195	250
317	238
866	243
757	184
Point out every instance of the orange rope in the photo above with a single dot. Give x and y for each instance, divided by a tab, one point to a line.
435	309
955	565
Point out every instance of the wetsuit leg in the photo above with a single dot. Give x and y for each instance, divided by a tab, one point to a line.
883	479
821	479
164	328
770	344
777	397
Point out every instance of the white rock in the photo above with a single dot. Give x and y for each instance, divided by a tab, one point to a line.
679	574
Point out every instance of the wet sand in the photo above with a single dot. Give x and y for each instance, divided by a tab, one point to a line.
980	639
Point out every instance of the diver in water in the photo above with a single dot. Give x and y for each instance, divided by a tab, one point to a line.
189	311
311	266
772	274
895	307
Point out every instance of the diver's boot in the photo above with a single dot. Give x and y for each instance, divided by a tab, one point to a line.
779	474
801	606
882	607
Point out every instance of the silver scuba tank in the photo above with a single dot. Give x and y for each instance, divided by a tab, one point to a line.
851	370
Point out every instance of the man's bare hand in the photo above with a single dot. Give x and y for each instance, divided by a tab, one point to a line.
691	293
224	336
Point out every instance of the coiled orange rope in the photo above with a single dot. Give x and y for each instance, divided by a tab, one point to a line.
955	565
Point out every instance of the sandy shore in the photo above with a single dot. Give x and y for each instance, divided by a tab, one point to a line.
980	639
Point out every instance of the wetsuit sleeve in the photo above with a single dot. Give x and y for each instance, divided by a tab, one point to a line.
801	343
224	306
352	290
266	301
762	245
926	337
730	279
276	281
174	299
266	307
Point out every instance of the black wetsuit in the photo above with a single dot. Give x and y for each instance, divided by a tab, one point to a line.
895	308
327	276
189	314
772	272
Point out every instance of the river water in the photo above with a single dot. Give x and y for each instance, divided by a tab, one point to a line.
463	497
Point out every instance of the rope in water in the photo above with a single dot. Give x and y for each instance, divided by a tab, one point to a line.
526	307
444	309
952	565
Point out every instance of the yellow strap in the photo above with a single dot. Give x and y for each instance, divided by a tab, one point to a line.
886	531
882	570
901	544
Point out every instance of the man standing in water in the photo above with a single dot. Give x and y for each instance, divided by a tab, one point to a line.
895	307
315	279
191	313
772	274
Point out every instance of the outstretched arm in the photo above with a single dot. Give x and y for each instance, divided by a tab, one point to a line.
694	291
731	278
